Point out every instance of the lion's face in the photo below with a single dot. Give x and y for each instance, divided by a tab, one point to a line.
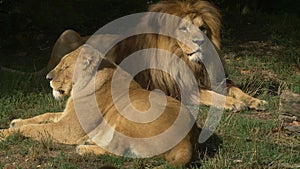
199	18
75	69
191	36
61	76
188	40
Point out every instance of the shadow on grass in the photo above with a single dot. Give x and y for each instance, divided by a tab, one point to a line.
208	149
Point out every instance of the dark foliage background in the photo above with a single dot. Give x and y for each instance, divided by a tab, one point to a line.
21	19
37	23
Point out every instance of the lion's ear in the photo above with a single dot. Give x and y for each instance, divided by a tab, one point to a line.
89	57
87	61
86	66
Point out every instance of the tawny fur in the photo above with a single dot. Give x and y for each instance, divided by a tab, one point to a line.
65	128
200	13
203	15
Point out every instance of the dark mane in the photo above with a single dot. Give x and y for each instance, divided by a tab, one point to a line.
210	14
156	79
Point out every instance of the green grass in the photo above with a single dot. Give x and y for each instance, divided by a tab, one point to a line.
247	139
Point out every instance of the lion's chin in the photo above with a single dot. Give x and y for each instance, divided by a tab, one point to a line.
196	56
57	94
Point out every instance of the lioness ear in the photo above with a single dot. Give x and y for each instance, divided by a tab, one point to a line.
86	66
88	60
89	57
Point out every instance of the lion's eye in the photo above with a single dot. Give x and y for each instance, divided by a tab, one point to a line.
64	67
203	28
184	29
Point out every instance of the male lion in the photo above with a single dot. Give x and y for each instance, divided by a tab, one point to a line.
100	120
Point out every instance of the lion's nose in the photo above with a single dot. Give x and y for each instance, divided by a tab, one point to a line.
198	42
49	76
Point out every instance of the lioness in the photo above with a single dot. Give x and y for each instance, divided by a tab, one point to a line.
83	118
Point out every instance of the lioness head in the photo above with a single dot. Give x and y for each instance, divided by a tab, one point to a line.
61	76
64	76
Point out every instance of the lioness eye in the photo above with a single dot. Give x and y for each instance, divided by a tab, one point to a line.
64	67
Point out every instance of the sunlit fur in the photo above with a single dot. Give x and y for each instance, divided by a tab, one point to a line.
208	16
66	128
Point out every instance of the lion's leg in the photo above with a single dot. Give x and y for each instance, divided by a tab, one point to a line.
90	149
252	102
43	118
208	97
58	132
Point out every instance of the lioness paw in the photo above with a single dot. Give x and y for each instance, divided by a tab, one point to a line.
4	133
16	123
89	149
89	142
81	149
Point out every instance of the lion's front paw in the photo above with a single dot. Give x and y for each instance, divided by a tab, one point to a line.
16	123
258	104
235	105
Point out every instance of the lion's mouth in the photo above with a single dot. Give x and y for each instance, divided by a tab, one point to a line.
58	94
190	54
195	56
62	92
